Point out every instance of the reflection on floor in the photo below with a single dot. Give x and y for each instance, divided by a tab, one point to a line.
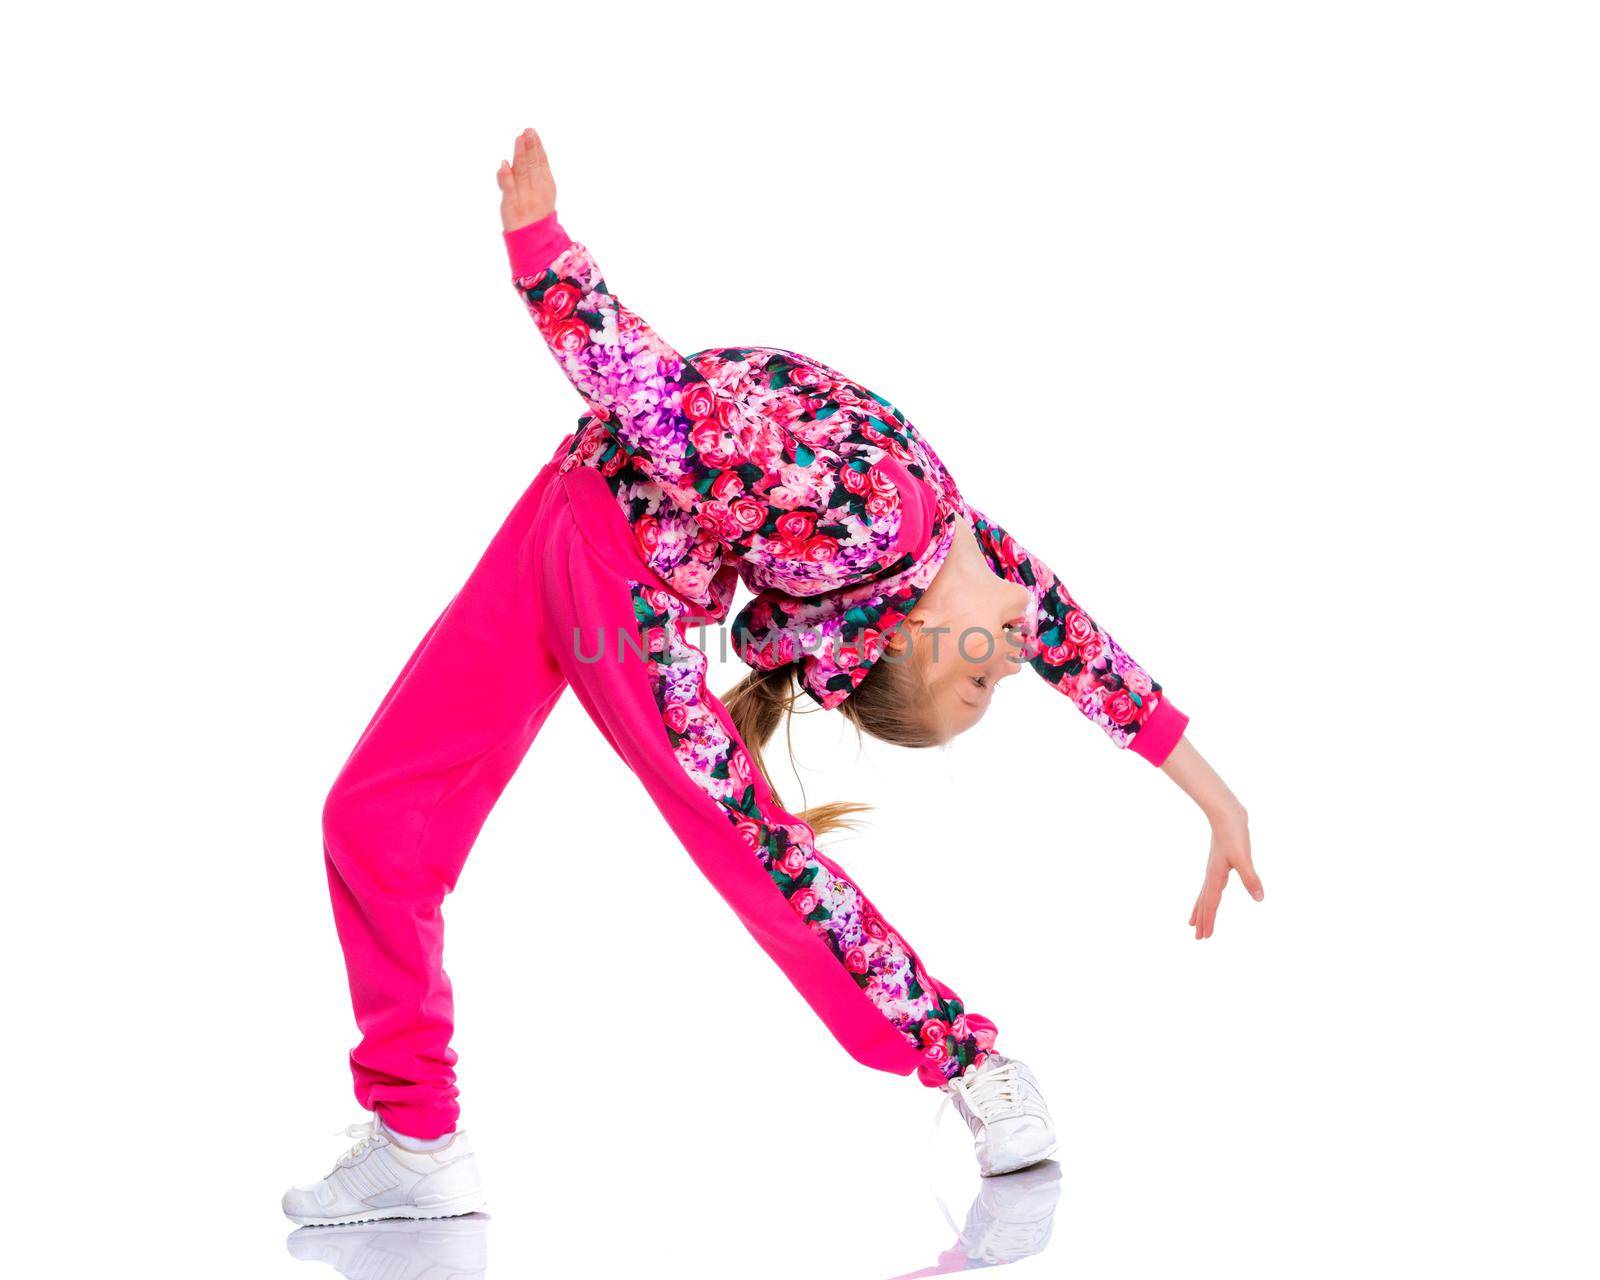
400	1249
1009	1220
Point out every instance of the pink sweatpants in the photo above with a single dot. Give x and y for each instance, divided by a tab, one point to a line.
415	792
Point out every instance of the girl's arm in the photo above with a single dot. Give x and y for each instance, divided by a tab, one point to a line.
1079	658
665	412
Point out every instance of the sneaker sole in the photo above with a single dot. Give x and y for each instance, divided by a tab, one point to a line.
1023	1164
456	1208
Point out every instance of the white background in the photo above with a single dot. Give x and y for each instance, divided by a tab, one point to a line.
1271	326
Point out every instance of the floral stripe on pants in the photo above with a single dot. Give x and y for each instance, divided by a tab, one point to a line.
707	747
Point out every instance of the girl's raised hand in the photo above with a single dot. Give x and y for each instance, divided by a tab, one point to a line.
527	191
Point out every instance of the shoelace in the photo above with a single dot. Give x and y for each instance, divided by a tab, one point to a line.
1006	1088
367	1134
991	1093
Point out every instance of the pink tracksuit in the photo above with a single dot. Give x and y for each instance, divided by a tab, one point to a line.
685	475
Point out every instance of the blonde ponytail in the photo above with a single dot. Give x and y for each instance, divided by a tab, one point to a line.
884	705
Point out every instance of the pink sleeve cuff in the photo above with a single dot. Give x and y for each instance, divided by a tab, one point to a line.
1160	733
534	247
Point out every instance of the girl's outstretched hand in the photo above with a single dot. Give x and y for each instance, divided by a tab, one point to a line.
1230	832
527	191
1230	851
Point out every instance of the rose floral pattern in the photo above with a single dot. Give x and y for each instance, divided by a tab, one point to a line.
882	964
763	465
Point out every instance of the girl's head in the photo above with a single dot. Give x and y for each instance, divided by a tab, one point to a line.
940	668
965	635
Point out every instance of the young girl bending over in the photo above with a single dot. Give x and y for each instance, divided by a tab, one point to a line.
879	590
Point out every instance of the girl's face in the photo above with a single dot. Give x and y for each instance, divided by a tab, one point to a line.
966	634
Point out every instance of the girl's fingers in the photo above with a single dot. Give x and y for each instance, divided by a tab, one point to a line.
530	162
1249	878
524	176
520	164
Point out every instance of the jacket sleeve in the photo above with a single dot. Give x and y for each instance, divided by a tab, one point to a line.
1078	657
666	415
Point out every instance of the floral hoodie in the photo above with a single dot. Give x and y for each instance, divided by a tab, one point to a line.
761	464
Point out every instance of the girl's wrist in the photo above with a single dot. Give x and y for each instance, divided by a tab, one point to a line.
1225	813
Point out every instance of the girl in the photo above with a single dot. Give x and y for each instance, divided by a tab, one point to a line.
880	591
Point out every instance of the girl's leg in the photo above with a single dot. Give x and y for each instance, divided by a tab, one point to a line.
410	801
851	966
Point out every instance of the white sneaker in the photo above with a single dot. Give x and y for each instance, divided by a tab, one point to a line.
449	1249
1001	1103
378	1178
